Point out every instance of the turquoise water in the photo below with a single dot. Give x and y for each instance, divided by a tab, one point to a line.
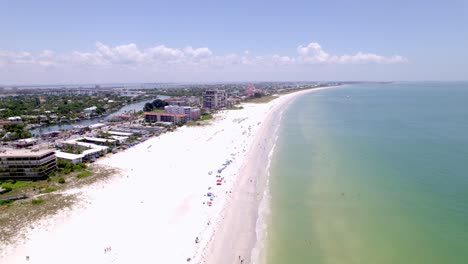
372	173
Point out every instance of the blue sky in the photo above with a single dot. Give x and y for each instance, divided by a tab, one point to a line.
153	41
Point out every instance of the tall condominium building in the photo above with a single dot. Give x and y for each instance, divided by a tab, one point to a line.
26	163
214	99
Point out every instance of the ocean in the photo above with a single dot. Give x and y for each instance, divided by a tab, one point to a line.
371	173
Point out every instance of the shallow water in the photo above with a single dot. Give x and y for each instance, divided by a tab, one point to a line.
372	173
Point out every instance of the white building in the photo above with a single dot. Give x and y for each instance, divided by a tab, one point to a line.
191	113
90	151
14	118
90	110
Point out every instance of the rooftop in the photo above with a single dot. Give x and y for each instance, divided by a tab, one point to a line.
34	152
117	133
102	140
163	114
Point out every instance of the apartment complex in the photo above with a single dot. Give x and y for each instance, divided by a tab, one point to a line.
175	119
214	99
191	113
27	163
89	151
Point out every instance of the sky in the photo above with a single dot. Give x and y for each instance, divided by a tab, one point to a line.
73	42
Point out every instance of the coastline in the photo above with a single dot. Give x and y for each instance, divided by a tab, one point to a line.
156	207
235	242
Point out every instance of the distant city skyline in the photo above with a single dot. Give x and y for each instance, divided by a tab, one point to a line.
52	42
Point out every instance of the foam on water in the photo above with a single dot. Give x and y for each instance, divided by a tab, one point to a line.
264	209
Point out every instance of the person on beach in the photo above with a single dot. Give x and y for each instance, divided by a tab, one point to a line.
27	258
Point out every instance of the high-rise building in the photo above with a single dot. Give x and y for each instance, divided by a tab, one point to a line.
214	99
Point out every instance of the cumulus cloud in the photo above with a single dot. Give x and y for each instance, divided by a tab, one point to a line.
167	57
313	53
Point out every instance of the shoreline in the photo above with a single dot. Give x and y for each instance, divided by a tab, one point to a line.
158	200
234	242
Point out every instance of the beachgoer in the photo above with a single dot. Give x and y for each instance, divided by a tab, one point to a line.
27	258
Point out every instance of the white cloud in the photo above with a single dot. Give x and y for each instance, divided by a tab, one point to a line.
187	58
198	53
312	53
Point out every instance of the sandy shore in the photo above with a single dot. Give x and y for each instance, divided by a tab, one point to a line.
156	208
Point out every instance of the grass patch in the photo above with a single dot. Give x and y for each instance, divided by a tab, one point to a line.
156	110
84	174
262	100
61	180
6	202
5	190
206	117
49	190
235	108
16	184
196	123
37	201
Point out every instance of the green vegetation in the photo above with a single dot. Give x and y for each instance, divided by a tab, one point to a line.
37	201
17	131
53	108
61	180
103	134
49	190
6	202
83	174
6	189
156	104
236	108
65	167
206	117
73	149
261	100
13	184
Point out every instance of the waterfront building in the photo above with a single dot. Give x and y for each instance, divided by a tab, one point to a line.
191	113
88	151
214	99
90	110
97	126
175	119
194	113
14	118
33	163
118	133
98	141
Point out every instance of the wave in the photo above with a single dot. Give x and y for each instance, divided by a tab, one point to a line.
258	253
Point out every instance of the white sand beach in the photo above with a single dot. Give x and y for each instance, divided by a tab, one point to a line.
153	211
